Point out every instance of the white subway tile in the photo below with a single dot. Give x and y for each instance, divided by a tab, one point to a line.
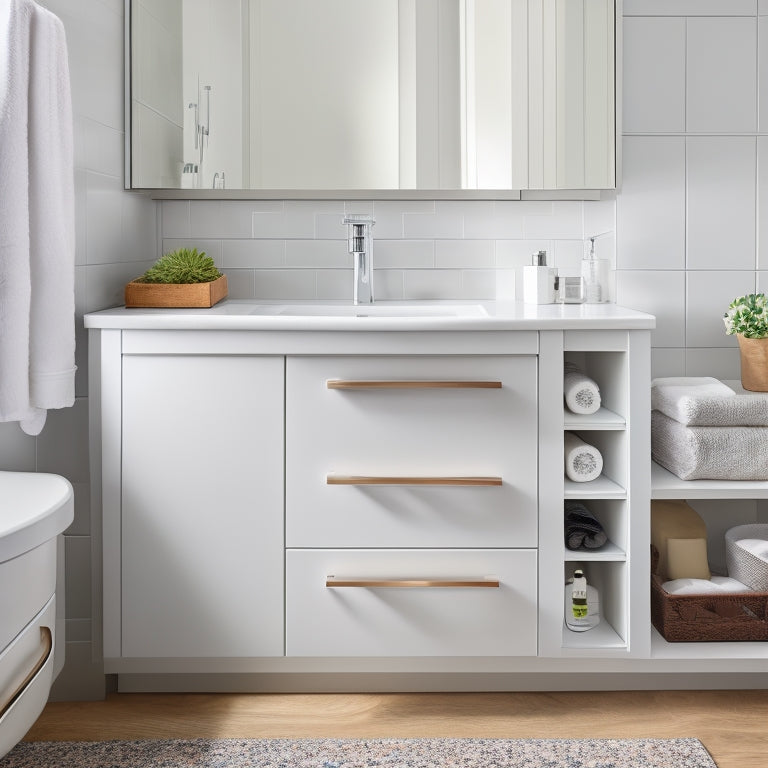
389	215
432	284
721	84
722	363
494	219
296	284
762	7
565	221
175	218
506	283
660	293
667	362
81	216
478	284
600	215
654	75
708	295
330	226
104	237
567	257
139	227
62	446
404	254
301	216
260	254
17	449
650	209
317	254
104	147
212	248
447	221
105	283
762	282
389	284
721	183
464	254
689	7
78	576
337	284
518	253
762	69
216	218
762	202
240	283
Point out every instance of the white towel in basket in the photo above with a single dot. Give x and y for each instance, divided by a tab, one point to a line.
583	462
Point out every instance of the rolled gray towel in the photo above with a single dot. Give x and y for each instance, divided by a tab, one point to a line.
582	528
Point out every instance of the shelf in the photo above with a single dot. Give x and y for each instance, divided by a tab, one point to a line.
602	419
661	649
609	552
600	638
601	488
665	485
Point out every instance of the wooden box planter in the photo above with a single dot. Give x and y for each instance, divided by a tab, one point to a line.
138	294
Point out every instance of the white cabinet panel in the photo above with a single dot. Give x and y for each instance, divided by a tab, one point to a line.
721	85
432	432
654	75
202	465
721	202
650	210
411	621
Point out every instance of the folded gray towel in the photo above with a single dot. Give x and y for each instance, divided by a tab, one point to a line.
582	528
706	402
709	453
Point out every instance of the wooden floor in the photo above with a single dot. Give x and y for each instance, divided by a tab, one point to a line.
733	725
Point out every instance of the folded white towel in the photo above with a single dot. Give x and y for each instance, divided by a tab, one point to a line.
704	401
582	395
37	239
717	584
709	453
583	462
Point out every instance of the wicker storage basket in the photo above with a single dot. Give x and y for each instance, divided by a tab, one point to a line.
743	565
708	618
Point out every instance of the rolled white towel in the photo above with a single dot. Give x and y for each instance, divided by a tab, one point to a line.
582	395
717	584
583	462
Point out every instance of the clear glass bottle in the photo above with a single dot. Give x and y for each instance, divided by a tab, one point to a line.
595	273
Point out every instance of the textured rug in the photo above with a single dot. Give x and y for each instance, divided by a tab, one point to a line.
363	753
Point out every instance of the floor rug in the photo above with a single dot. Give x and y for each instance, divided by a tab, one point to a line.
363	753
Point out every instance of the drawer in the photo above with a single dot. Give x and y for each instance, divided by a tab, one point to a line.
411	451
435	620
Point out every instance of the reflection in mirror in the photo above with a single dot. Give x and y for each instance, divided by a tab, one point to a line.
372	94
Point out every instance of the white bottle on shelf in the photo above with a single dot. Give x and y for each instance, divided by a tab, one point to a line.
582	603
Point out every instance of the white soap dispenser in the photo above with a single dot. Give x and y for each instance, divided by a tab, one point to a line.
595	273
539	280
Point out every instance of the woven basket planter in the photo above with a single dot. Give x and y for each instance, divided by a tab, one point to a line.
754	363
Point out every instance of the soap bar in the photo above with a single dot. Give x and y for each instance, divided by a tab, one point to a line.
678	520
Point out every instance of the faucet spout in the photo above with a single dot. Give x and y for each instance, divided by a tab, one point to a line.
361	248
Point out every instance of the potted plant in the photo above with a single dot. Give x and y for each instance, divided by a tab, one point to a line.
747	318
181	278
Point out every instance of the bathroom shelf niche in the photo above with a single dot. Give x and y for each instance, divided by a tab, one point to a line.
602	419
600	488
665	485
608	552
600	638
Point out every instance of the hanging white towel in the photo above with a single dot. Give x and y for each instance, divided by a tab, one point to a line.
583	462
37	242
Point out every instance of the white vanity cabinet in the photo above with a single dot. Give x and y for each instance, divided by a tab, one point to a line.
195	539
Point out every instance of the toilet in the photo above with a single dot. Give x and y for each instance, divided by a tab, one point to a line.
34	509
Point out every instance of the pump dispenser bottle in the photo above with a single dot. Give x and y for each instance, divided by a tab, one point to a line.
539	280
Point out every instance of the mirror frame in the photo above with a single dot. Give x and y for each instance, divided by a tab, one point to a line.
158	193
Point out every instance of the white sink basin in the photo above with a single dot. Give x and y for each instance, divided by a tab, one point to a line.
371	310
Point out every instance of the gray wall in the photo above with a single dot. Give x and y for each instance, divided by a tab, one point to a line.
685	229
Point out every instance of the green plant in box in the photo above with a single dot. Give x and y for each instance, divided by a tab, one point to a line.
184	265
748	316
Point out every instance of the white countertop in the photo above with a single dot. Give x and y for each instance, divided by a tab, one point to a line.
251	315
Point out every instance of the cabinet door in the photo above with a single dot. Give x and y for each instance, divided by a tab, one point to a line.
202	530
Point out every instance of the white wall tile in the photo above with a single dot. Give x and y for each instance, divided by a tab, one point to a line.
419	284
447	221
661	293
318	254
470	254
721	85
241	283
105	283
518	253
708	296
600	215
690	7
104	201
260	254
650	210
567	256
762	7
296	284
337	284
762	202
496	219
506	286
389	284
566	221
174	215
389	215
212	248
722	363
62	446
667	362
762	64
654	75
81	524
77	560
17	449
721	178
478	284
404	254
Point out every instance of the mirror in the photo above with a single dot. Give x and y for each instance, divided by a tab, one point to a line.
340	96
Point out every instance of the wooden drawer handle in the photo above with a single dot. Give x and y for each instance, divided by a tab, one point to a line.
348	384
46	646
370	480
338	581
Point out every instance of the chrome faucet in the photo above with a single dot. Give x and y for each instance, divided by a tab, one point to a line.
361	247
